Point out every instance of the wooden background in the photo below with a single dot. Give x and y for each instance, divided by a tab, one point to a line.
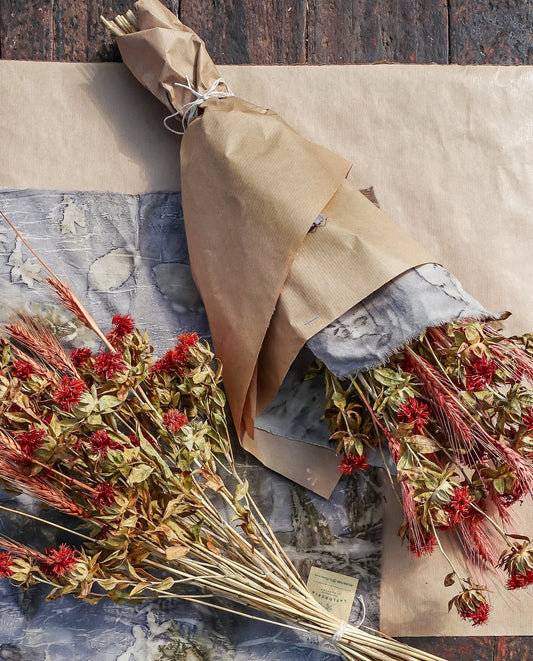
304	31
289	31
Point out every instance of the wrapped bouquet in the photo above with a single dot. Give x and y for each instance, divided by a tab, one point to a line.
419	377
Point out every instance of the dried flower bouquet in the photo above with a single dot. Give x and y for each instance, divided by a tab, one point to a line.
451	410
454	412
137	450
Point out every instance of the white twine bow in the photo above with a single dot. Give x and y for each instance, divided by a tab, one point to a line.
189	110
337	636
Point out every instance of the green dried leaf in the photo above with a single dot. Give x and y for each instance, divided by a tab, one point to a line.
107	403
387	376
339	400
499	485
241	490
139	473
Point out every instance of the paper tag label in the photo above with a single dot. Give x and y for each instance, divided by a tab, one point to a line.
335	592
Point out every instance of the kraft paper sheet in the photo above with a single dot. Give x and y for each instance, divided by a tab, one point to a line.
448	150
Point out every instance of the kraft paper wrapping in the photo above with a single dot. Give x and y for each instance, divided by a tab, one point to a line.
448	151
251	189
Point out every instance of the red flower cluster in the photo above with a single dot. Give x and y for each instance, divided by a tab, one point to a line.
101	443
6	564
423	547
107	364
174	420
174	361
80	356
353	462
518	580
460	506
414	412
103	495
31	440
59	561
479	615
69	392
123	325
479	374
188	339
23	370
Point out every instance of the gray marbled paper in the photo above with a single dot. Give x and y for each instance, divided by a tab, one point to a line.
128	254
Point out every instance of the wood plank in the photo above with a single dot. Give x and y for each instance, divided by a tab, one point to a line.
519	648
496	32
356	31
79	34
248	31
26	30
455	648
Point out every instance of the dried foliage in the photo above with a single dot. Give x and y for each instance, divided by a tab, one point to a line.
138	450
454	412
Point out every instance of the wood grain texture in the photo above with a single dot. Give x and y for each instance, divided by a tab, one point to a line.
60	30
473	648
491	32
248	31
513	649
343	31
26	30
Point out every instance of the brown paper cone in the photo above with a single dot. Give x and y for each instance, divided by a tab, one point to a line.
252	188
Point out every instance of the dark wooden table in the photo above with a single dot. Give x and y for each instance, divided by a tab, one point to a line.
304	31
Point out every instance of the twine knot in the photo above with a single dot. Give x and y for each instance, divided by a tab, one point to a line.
337	636
189	110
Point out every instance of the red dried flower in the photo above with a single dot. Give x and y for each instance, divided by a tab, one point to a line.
174	420
518	580
59	561
188	339
107	364
479	374
6	564
69	392
123	325
134	440
101	443
414	412
478	616
80	356
30	440
23	370
353	462
173	362
104	495
423	547
460	506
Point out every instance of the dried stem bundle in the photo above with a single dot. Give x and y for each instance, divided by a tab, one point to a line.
138	449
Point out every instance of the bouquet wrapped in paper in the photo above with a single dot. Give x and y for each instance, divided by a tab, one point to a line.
293	263
280	244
